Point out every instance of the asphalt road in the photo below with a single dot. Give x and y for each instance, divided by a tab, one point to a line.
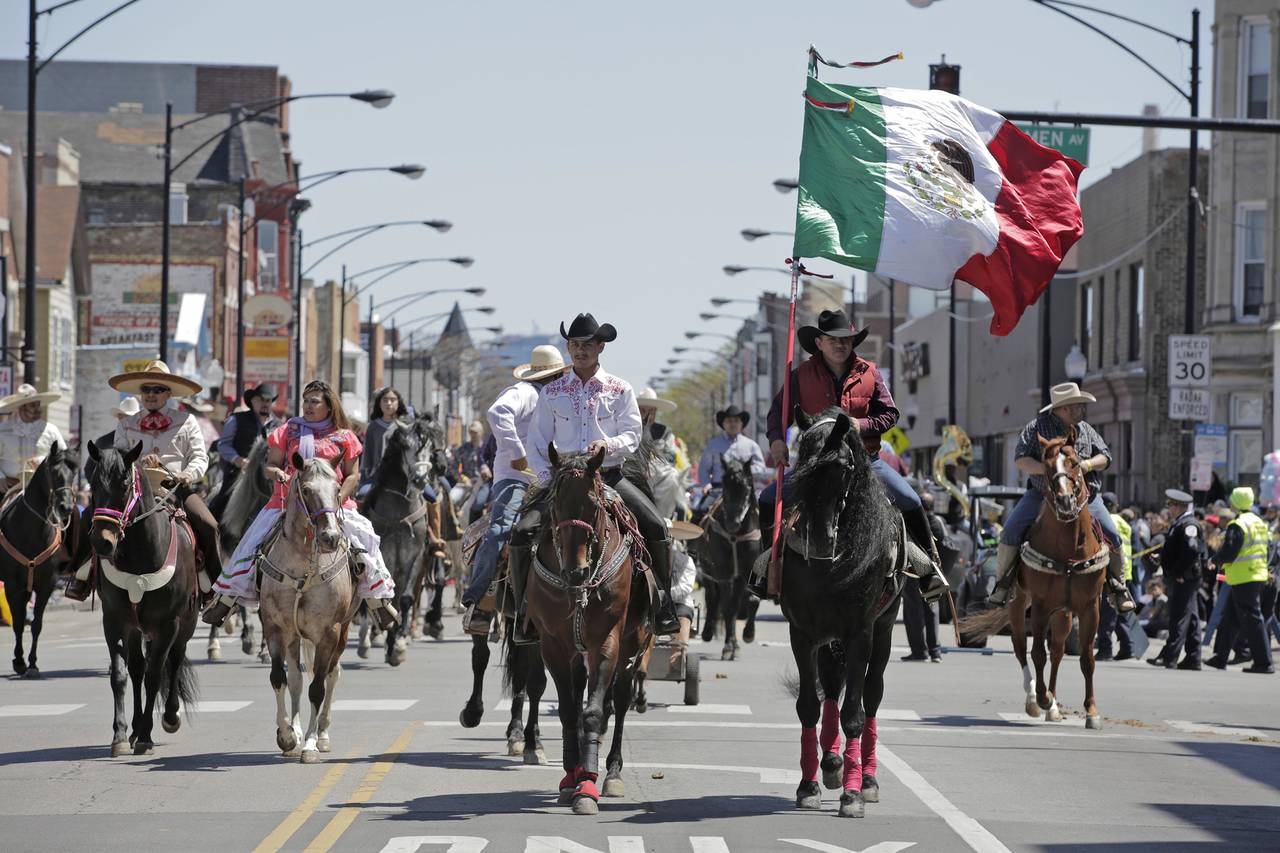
1185	761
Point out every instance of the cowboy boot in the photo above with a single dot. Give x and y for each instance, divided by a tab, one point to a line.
79	584
383	612
215	613
664	621
518	559
435	545
1120	598
1006	560
932	585
758	579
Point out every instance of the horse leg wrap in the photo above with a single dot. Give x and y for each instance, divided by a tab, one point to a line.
809	754
587	785
869	765
569	781
853	765
830	739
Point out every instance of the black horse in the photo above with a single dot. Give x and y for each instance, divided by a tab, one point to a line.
523	678
248	495
398	511
727	551
841	583
148	585
433	463
42	535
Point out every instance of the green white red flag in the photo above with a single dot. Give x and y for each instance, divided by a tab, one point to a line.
926	187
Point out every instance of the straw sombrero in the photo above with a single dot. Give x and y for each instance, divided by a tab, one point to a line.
26	394
683	531
545	361
1067	394
649	399
156	373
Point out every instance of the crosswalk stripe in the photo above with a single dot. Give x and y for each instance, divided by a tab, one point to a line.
712	708
373	704
37	710
897	715
1210	729
225	706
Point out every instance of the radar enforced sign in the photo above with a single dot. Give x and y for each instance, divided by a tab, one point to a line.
1190	366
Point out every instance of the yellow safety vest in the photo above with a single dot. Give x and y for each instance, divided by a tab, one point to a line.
1126	543
1251	564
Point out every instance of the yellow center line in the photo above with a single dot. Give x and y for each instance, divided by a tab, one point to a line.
299	816
364	792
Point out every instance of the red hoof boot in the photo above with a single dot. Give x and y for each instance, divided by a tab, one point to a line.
568	785
586	799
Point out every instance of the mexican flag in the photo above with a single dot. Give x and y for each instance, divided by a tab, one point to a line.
925	187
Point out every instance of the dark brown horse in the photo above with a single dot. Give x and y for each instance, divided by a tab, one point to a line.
727	551
149	590
1061	572
589	602
42	534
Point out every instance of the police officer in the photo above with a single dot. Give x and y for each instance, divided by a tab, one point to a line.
1243	558
1181	557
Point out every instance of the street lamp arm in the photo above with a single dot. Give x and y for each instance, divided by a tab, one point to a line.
337	234
1048	4
410	298
364	232
66	44
1115	15
249	116
325	177
395	267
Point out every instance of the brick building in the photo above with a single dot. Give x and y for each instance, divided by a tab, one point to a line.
1131	297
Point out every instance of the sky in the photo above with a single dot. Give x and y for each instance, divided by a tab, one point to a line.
603	158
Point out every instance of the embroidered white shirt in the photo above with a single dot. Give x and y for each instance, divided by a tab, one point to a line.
509	418
573	414
180	447
20	441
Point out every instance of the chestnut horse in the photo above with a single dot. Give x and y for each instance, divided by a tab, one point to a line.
590	617
1061	572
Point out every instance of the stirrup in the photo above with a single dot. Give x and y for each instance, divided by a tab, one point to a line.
476	622
383	613
1001	594
935	588
521	635
77	589
217	612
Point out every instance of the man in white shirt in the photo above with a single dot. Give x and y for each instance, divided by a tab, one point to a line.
730	443
509	418
585	411
25	440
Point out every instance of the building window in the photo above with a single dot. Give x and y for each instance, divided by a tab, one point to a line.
348	383
1086	316
1137	298
1255	69
68	346
1251	263
178	204
1099	315
268	256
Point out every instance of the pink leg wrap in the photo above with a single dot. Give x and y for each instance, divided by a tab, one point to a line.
809	754
869	747
853	765
830	739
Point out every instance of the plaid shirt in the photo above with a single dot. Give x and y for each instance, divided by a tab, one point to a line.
1049	426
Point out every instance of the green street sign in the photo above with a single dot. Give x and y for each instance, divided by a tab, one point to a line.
1072	141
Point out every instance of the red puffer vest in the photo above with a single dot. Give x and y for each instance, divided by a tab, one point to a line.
818	392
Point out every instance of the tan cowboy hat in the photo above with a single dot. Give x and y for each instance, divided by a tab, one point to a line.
127	407
156	373
545	361
682	531
198	406
1066	394
26	394
649	399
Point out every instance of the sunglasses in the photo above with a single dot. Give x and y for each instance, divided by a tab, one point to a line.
155	389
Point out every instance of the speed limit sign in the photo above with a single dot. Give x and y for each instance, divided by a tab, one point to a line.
1190	361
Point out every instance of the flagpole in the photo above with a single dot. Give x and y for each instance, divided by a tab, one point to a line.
780	474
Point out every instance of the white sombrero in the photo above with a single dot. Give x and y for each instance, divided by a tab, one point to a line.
127	407
1066	394
26	394
156	373
649	399
197	405
545	361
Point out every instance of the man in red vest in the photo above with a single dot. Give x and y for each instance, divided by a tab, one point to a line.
836	376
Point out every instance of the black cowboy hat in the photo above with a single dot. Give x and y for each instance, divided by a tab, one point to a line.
833	324
585	328
732	412
266	390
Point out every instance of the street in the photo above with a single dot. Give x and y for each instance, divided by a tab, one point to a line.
1186	760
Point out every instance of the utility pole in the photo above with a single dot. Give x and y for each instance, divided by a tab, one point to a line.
29	291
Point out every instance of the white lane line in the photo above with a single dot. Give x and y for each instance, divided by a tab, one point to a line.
374	704
225	706
544	707
711	708
1023	720
990	731
1210	729
707	844
973	833
823	847
897	715
768	775
37	710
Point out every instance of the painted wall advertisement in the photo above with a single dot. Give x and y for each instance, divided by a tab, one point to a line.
267	341
125	308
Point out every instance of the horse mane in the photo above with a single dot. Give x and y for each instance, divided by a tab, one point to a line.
868	522
249	494
636	465
399	462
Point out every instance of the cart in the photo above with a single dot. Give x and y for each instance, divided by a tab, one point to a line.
686	668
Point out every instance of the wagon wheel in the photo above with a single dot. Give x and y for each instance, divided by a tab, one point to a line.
691	664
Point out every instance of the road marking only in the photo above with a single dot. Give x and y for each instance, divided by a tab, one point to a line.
37	710
364	792
373	704
1210	729
973	833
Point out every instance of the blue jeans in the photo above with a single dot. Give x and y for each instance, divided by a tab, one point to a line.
1027	508
508	495
1215	616
901	495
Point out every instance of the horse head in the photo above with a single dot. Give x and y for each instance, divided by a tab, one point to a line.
576	506
831	462
315	494
116	490
1064	478
55	478
401	446
737	492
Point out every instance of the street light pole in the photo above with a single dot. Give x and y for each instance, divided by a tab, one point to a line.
29	293
1193	168
166	216
240	318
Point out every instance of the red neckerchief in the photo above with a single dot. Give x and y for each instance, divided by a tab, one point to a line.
155	422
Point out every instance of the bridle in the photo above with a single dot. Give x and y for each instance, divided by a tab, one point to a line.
309	514
834	527
1071	512
594	549
122	520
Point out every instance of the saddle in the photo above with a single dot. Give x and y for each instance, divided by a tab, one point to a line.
264	565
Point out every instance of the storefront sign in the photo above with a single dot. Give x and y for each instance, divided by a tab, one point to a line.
124	306
1211	443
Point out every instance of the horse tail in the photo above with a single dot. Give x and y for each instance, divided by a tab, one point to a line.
984	624
180	680
309	655
510	660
